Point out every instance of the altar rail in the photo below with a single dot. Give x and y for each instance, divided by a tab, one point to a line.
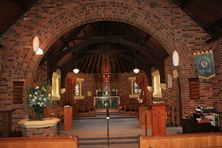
39	142
203	140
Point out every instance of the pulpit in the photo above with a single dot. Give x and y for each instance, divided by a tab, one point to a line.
158	119
67	118
145	116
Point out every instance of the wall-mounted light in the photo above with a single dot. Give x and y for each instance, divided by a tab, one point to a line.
39	51
175	58
35	45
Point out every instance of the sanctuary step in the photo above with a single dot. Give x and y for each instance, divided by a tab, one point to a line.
112	140
103	116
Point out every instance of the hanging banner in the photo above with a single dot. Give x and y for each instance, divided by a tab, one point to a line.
204	62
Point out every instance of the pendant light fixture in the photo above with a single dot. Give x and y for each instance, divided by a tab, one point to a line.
175	55
136	70
76	70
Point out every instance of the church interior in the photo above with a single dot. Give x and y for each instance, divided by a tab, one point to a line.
110	73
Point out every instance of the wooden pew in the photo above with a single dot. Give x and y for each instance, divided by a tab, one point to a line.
39	142
203	140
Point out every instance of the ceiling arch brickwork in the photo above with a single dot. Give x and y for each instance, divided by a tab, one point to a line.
145	18
51	20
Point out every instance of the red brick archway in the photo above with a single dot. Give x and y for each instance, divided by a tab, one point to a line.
50	20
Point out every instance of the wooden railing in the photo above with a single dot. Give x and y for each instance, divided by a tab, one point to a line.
39	142
203	140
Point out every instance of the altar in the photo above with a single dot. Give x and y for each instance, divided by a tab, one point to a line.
46	127
113	101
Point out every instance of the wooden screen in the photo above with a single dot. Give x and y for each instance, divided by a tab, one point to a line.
18	92
194	88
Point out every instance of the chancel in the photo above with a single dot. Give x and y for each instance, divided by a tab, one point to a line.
107	71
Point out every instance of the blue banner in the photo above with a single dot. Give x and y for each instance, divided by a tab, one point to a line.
204	64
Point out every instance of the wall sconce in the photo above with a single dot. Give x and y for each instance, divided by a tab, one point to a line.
62	90
35	45
150	88
175	58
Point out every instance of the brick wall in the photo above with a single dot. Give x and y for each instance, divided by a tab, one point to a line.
36	132
217	80
51	19
120	82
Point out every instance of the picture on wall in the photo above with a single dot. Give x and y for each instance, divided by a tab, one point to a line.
204	63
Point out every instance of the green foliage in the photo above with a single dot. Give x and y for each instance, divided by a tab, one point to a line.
39	97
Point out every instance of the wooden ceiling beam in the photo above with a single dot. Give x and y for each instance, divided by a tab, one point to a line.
149	75
90	64
107	40
52	53
181	3
100	37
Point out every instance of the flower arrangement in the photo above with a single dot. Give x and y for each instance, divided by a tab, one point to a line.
39	97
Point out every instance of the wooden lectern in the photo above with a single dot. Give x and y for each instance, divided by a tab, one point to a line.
67	118
158	119
144	110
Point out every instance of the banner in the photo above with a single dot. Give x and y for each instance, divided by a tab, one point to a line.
204	64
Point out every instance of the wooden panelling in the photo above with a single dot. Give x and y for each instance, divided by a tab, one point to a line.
67	118
159	119
18	92
39	142
194	88
145	110
207	140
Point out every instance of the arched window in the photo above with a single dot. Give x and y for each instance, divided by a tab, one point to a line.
77	89
136	88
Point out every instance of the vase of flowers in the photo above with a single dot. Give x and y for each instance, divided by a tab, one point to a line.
39	97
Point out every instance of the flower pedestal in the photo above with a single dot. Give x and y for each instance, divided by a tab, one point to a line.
46	127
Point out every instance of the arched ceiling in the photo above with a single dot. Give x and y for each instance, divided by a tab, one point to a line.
207	13
122	45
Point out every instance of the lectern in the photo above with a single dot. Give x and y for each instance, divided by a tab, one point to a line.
158	119
145	116
67	118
